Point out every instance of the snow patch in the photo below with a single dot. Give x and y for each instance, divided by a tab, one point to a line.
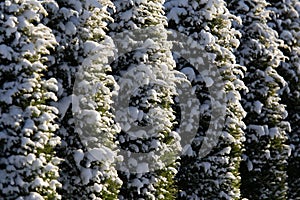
257	107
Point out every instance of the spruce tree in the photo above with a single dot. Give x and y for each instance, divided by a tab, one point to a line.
263	169
28	165
63	64
286	21
213	175
143	70
80	64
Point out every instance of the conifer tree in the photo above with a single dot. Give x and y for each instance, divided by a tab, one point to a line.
80	64
28	165
263	169
213	175
144	72
286	21
63	64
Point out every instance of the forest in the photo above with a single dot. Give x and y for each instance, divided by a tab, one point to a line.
149	99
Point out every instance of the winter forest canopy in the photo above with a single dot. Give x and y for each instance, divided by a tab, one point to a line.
149	99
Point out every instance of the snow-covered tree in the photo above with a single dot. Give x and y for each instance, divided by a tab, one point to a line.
265	158
63	64
28	165
80	64
286	21
144	72
208	25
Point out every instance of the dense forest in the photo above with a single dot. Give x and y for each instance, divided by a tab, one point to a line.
149	99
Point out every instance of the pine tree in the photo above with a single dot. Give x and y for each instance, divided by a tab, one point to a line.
263	169
213	175
144	72
286	21
80	64
63	65
28	165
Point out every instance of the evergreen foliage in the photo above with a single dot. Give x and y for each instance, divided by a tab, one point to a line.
216	175
80	64
144	72
286	21
265	158
28	165
149	99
